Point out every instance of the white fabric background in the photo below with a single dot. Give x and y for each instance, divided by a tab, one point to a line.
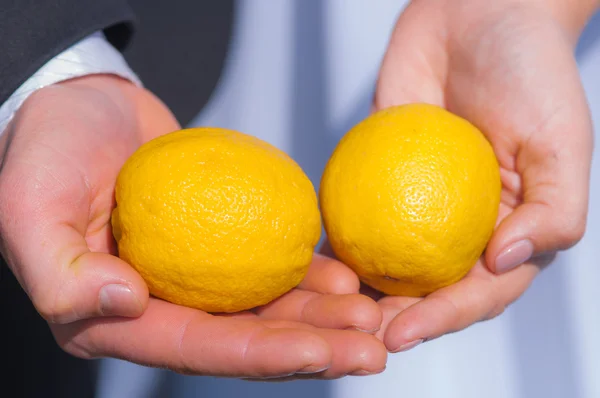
299	74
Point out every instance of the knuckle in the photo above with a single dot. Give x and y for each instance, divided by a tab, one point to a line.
46	309
77	349
75	107
54	308
33	114
74	342
183	364
495	312
79	352
38	97
454	317
570	231
495	303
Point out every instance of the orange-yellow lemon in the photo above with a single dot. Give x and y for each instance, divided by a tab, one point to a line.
215	219
410	198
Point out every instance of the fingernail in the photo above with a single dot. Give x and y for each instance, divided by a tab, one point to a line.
514	255
119	300
283	376
368	331
363	372
312	369
408	346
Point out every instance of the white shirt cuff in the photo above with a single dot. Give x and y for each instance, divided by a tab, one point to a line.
92	55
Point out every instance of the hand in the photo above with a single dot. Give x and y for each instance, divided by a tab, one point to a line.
63	152
507	67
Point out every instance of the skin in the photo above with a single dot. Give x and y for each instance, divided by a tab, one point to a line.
59	168
508	67
490	62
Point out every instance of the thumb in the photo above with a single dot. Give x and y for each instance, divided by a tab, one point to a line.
64	279
412	69
554	171
46	210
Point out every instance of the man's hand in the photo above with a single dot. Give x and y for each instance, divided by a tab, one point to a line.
62	154
507	67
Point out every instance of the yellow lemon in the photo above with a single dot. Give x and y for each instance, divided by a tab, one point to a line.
215	219
410	198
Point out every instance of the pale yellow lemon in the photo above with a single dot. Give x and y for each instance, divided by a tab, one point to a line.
410	198
215	219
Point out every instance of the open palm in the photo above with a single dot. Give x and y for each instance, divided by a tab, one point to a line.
63	153
508	68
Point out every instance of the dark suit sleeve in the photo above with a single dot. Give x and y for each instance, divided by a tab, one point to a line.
34	31
31	33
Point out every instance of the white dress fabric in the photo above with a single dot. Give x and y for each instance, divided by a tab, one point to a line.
299	74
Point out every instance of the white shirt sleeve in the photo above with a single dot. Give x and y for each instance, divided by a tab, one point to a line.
92	55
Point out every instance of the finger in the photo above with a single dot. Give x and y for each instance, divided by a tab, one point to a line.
329	276
193	342
45	217
413	68
67	282
390	307
353	353
326	311
479	296
555	182
542	136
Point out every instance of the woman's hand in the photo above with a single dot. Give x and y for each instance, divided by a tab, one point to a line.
508	67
